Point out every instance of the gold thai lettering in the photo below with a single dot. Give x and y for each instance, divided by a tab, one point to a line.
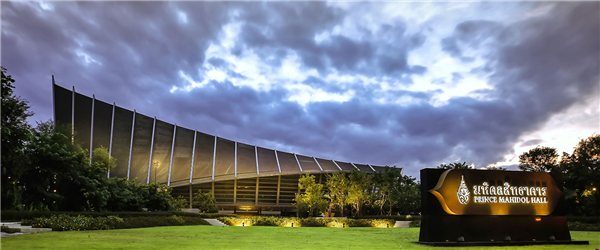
506	193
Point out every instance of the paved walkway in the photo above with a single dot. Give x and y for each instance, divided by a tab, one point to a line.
22	229
216	222
403	224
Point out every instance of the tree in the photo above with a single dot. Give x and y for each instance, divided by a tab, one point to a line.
358	193
494	167
455	165
384	183
15	133
581	172
205	202
338	185
407	196
102	157
313	198
60	176
539	159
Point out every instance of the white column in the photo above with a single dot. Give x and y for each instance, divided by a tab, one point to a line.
318	163
256	157
297	161
172	149
235	161
151	150
131	145
214	159
73	116
112	127
277	158
193	155
336	164
53	102
92	128
371	167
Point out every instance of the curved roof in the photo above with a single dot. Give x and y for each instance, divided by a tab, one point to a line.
153	150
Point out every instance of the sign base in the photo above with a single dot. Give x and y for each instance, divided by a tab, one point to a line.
440	228
510	243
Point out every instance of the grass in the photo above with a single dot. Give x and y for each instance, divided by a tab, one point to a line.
211	237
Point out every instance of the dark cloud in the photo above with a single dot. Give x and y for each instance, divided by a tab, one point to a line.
271	26
532	142
539	67
136	47
548	64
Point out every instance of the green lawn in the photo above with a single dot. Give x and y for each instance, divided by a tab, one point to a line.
211	237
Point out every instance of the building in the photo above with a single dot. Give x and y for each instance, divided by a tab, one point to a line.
241	176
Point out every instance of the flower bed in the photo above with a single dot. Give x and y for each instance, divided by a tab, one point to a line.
306	222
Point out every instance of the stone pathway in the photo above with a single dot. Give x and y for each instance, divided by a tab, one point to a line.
216	222
402	224
22	229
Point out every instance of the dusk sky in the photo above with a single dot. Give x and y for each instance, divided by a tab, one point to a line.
409	84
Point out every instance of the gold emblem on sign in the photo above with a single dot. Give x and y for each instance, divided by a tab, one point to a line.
463	192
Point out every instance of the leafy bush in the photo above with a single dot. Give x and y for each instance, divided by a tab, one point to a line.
69	223
415	223
205	202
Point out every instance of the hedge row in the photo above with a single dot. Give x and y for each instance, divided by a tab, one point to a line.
65	222
138	222
582	226
306	222
392	217
584	219
7	216
217	215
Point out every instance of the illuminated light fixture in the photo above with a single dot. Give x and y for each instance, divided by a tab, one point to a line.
551	238
491	239
592	188
55	190
533	239
538	219
507	238
461	239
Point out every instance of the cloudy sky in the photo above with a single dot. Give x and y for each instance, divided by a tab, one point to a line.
388	83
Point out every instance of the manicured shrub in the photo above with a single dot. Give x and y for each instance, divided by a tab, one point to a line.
70	223
582	226
20	215
157	221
